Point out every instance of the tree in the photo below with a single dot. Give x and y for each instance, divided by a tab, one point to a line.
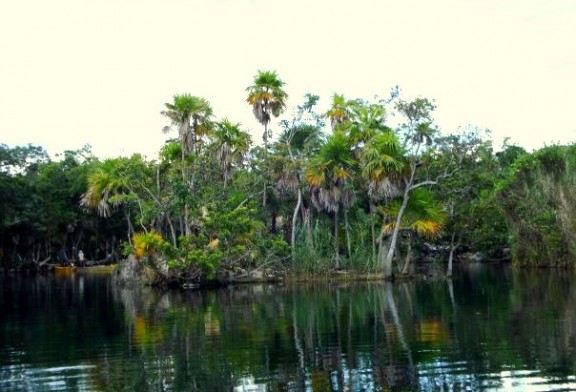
120	182
330	174
267	98
230	145
467	157
368	121
383	167
418	133
340	110
423	216
300	139
192	116
538	199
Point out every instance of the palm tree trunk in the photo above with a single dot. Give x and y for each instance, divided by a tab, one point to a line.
453	247
373	231
307	218
186	219
406	268
348	246
265	137
336	250
183	133
294	219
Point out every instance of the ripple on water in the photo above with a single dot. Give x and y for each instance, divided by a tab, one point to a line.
21	377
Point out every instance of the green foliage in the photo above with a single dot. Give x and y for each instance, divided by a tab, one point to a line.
266	96
470	173
147	243
366	181
539	199
226	240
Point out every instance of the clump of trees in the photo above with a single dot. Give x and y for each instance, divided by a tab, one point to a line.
539	202
340	188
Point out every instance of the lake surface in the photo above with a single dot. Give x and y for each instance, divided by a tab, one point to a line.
487	329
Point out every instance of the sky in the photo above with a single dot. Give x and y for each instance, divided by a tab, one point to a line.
98	72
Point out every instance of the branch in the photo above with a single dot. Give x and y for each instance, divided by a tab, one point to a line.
423	183
246	200
433	182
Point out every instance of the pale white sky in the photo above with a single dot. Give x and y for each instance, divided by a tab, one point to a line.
74	72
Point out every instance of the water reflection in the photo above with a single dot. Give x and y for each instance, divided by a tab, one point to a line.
489	329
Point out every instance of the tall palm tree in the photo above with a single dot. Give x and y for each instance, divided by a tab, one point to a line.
330	176
383	165
340	110
368	120
231	145
295	145
192	117
383	168
267	98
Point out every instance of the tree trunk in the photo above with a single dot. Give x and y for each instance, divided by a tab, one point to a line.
187	230
347	228
185	177
453	247
387	262
130	228
406	268
373	231
294	219
273	228
336	248
307	218
172	231
265	176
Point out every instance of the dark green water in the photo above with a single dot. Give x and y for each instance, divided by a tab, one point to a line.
491	329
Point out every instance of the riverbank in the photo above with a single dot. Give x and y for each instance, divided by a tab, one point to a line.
150	272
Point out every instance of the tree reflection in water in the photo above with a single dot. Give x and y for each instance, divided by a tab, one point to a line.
486	329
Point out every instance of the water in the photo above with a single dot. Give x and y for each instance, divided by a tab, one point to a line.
489	329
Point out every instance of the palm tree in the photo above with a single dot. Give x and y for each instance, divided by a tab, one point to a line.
419	133
102	185
368	120
191	115
107	188
330	176
423	216
340	111
383	167
294	146
267	98
231	145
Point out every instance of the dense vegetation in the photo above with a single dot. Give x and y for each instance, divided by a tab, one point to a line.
340	189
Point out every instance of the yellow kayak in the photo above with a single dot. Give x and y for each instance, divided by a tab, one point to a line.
66	270
98	268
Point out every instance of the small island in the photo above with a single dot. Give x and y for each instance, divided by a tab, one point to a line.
344	193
